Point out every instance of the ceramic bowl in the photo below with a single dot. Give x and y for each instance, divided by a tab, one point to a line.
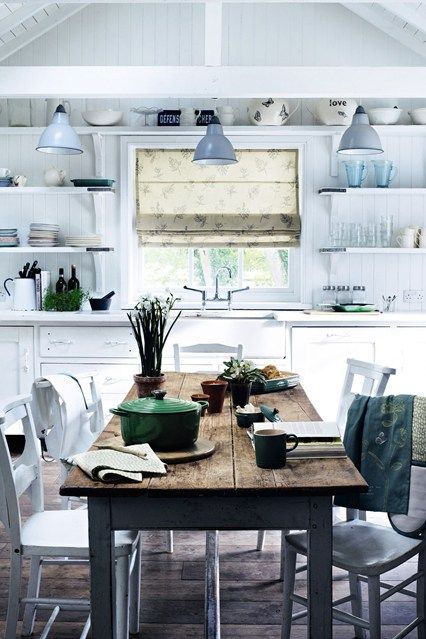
105	117
384	115
418	116
246	419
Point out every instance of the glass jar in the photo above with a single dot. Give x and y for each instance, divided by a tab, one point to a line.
328	297
358	295
344	295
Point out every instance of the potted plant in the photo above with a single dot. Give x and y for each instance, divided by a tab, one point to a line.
240	375
148	320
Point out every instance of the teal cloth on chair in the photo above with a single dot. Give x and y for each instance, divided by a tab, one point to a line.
378	439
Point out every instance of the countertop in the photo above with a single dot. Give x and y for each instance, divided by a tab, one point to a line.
291	318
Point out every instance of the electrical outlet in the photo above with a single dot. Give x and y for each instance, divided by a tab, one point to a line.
413	296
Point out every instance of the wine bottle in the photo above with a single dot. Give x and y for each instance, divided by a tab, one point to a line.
61	285
73	283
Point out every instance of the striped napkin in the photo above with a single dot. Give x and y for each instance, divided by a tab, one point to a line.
128	463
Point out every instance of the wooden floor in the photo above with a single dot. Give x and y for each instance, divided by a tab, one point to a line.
173	588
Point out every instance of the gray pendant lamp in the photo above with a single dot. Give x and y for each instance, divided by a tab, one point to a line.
360	138
214	147
59	137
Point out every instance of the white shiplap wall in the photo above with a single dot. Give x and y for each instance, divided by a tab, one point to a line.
254	34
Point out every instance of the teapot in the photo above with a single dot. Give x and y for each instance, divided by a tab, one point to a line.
54	176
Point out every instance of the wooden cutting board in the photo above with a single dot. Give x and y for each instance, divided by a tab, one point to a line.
201	449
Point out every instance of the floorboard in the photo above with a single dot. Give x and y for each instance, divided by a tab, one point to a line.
173	589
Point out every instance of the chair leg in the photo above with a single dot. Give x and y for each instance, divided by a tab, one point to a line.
288	589
135	591
356	603
169	541
122	597
374	607
261	535
32	591
14	595
421	596
282	553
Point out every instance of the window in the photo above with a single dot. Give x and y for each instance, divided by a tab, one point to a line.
165	259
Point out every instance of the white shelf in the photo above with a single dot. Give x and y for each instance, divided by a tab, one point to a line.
55	249
51	190
363	192
321	130
373	250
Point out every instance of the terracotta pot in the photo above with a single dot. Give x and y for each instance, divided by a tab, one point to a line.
240	394
145	385
216	390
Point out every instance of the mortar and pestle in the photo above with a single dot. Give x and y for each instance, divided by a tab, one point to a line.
101	303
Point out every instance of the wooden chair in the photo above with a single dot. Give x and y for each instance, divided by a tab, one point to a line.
52	537
366	551
374	379
219	349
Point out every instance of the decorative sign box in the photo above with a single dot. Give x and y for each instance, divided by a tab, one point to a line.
169	117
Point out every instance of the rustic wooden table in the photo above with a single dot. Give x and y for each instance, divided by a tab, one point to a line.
224	492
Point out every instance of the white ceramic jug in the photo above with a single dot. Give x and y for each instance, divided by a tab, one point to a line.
24	297
54	176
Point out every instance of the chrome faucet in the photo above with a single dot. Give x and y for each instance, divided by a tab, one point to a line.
216	297
198	290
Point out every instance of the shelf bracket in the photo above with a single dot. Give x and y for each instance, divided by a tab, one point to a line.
99	148
99	261
334	165
99	265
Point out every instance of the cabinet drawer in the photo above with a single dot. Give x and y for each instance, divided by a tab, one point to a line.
111	379
87	341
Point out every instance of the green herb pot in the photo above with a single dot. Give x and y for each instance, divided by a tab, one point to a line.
165	424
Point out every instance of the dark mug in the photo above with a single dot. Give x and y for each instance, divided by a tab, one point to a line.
271	447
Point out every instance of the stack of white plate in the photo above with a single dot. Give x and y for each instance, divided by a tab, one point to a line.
83	240
43	235
9	237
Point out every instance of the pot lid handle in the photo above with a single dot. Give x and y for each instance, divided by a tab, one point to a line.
158	394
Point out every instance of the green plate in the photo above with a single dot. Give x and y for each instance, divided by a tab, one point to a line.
354	308
93	182
274	385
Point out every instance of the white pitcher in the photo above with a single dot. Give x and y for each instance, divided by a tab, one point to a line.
24	297
54	176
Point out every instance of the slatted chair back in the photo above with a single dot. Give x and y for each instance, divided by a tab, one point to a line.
21	475
374	381
201	349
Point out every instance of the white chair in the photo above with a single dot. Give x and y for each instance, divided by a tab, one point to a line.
57	536
366	551
374	379
208	349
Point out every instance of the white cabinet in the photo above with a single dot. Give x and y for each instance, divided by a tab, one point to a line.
87	341
319	355
408	347
17	360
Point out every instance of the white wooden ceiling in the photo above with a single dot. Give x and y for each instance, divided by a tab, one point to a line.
22	22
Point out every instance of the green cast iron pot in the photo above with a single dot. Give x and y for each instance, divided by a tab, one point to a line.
165	424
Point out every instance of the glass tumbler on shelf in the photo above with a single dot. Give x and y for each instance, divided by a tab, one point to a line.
338	234
386	230
344	295
328	297
370	235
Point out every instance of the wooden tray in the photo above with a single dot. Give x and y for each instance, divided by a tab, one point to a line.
201	449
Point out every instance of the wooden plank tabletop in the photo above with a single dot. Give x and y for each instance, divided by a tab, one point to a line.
232	468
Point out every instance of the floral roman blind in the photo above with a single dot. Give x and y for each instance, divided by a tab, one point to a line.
252	203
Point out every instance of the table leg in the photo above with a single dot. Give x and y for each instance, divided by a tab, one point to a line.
102	568
212	597
320	569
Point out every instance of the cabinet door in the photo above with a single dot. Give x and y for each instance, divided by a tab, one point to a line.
319	355
409	345
17	360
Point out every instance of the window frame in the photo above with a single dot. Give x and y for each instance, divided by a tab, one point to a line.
291	297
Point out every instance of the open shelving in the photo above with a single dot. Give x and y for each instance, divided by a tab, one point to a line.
53	190
56	249
361	250
365	192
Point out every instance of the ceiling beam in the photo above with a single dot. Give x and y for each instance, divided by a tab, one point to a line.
39	29
65	2
208	82
213	34
377	17
413	14
9	22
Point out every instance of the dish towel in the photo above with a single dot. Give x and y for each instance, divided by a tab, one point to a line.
109	465
378	439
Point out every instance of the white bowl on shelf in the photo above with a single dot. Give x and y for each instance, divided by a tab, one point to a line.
418	116
384	115
105	117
